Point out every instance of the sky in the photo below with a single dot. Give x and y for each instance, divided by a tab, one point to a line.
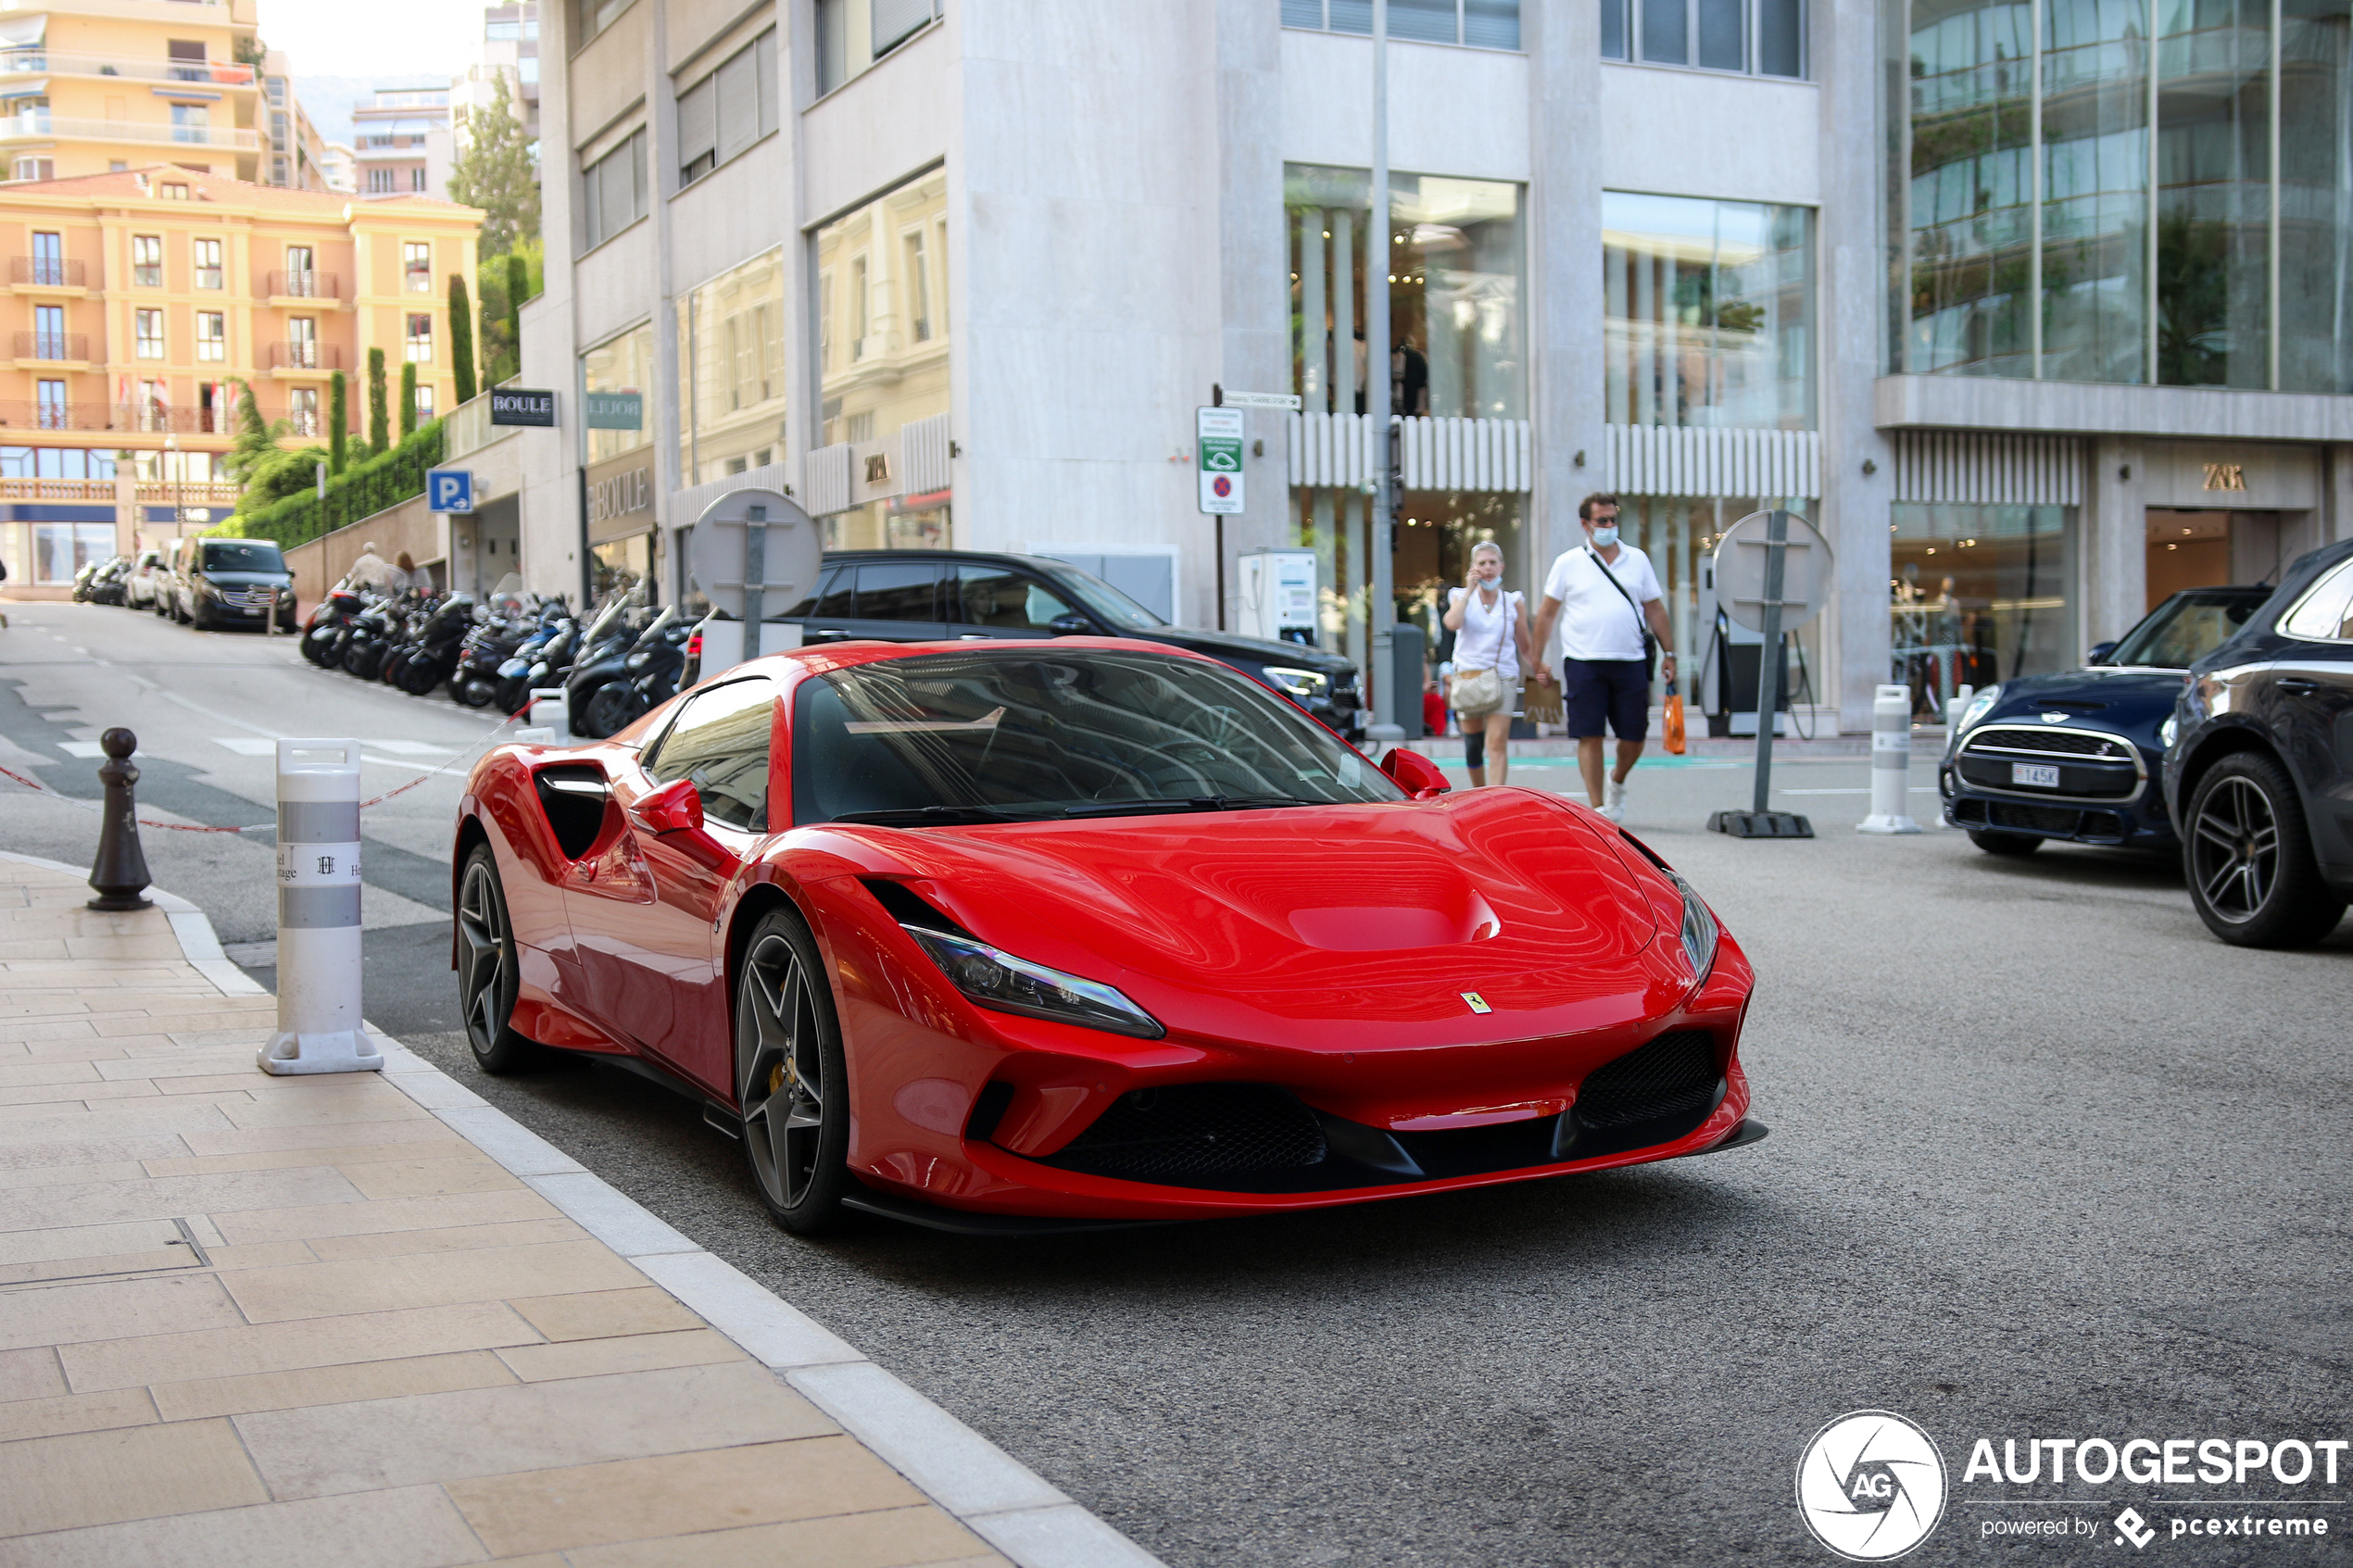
425	39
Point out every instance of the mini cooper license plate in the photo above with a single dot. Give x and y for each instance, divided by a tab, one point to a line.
2035	775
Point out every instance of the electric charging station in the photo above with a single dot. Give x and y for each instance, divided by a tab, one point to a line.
1275	597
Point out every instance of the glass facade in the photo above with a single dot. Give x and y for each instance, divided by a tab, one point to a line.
1482	24
1978	595
1759	37
1709	313
882	337
730	372
2155	192
619	364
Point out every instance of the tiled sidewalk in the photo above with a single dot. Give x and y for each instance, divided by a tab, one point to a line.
248	1320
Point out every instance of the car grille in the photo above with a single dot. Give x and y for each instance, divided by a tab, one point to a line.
1184	1132
2024	742
250	598
1673	1075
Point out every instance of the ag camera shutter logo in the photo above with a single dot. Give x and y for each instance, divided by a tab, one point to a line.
1870	1486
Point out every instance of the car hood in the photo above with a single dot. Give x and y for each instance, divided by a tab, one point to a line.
1259	650
1326	926
2131	702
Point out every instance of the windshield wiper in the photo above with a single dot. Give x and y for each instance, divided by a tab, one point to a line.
941	816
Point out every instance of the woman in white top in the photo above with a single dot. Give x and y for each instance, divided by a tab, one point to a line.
1491	635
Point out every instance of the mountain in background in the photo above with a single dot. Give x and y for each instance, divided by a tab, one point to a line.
329	99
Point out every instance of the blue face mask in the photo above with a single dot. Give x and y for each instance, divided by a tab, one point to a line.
1604	537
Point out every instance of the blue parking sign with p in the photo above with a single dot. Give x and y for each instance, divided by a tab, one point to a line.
449	490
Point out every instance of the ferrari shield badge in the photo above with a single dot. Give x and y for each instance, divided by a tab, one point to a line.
1477	1003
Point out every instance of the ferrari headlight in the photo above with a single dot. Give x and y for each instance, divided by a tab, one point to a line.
1979	707
1700	930
994	978
1304	685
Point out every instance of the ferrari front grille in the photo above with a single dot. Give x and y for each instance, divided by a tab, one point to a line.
1672	1075
1183	1132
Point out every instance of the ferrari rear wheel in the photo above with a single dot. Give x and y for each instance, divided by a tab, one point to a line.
789	1078
2004	843
2249	858
487	972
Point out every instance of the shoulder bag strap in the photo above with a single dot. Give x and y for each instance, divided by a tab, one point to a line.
1641	621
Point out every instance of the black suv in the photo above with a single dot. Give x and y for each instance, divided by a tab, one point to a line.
942	596
229	583
2259	771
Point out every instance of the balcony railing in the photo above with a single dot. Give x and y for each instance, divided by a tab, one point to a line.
302	357
47	272
57	490
302	285
155	419
186	493
63	128
39	61
52	345
17	414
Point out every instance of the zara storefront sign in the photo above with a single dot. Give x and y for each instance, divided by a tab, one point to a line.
520	406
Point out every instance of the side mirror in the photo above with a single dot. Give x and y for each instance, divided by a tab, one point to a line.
1414	774
2099	653
1070	624
676	806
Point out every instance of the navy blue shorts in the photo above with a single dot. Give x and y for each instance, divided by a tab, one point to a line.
1617	690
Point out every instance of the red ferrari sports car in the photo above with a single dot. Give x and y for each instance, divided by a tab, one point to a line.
1035	935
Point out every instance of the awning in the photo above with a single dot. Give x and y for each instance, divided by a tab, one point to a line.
33	87
18	32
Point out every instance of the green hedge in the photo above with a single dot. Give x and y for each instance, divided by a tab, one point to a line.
362	490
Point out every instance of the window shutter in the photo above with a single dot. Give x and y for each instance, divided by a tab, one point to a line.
697	122
738	105
894	20
763	52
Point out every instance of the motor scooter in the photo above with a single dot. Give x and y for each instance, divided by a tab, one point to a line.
432	652
605	664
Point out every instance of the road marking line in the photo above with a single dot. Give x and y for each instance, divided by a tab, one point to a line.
81	749
247	745
413	748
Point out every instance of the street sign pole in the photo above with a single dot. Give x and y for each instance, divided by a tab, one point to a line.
1380	542
1761	821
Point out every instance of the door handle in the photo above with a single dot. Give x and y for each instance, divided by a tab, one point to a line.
2295	686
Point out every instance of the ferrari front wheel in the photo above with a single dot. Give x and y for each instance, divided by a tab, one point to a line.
487	973
790	1077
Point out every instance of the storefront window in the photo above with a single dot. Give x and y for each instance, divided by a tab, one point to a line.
625	567
60	549
730	372
621	364
54	462
1979	595
883	302
1709	315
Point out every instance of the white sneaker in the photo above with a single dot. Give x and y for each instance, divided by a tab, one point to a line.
1613	802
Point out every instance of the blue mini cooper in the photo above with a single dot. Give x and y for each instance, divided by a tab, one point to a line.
2080	756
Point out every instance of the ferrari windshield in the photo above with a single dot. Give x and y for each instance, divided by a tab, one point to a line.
1025	733
2187	627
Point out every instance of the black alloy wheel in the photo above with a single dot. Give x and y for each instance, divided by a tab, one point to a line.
2249	858
615	706
789	1078
486	968
2004	843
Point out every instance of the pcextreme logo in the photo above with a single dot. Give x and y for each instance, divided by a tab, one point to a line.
1870	1486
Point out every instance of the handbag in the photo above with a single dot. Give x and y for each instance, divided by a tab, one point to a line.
1649	641
1475	693
1674	725
1540	702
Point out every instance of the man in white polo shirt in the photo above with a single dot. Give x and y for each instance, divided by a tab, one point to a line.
1594	592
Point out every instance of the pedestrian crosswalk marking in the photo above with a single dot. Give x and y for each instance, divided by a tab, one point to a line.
81	749
247	745
410	747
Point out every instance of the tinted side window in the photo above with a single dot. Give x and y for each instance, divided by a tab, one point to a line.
1011	600
2325	613
899	591
826	582
720	740
838	598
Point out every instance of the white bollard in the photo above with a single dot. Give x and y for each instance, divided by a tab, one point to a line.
1891	764
552	711
1957	704
319	1025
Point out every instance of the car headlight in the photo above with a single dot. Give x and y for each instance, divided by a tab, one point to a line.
1979	707
994	978
1700	931
2169	732
1303	684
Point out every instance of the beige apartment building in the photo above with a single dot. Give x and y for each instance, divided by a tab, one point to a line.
137	303
95	86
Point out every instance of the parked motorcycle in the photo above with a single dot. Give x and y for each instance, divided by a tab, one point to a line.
514	618
371	636
605	664
430	655
542	659
329	625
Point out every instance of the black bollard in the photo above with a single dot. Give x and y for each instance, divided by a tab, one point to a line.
120	872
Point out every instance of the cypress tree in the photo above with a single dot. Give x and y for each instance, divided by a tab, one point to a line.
518	284
379	430
462	336
408	398
338	430
252	445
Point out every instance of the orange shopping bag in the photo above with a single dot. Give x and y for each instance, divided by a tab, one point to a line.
1674	721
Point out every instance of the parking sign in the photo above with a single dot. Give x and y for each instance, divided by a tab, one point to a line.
1217	436
449	490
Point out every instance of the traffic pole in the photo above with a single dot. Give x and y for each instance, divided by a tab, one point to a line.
1891	764
319	1025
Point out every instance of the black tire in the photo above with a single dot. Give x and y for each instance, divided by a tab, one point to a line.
615	706
487	977
513	695
2247	857
471	691
795	1131
2004	843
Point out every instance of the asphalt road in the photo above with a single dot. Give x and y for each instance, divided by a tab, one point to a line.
2047	1160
